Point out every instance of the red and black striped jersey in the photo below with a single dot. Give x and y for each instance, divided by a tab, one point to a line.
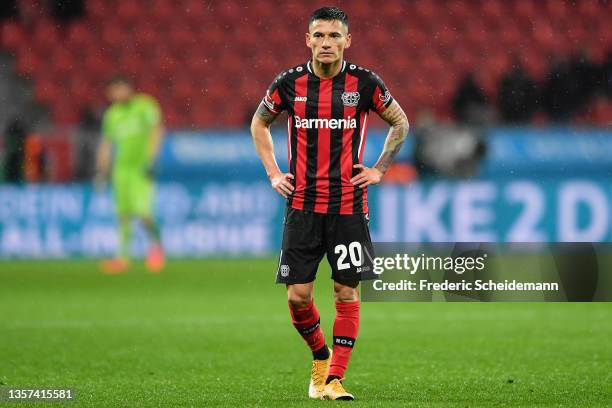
327	125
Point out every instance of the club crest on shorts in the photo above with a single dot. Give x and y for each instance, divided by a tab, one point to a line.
350	98
284	270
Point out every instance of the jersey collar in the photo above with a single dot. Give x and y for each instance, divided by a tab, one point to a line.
309	67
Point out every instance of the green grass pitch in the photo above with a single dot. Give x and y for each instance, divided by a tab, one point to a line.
218	333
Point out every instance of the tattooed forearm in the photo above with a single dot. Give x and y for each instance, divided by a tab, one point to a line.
265	115
392	147
260	130
394	116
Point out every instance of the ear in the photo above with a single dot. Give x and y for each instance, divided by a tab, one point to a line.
348	41
308	40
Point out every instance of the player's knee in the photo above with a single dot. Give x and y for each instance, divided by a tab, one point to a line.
345	293
298	300
299	295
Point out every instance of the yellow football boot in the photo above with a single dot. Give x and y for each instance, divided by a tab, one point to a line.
318	375
335	391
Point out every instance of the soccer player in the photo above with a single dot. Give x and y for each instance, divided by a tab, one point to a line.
328	101
132	134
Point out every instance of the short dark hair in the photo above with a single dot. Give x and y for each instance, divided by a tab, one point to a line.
328	14
120	79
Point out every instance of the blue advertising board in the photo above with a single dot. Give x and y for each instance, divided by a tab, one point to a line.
220	218
510	210
214	199
551	152
196	219
511	153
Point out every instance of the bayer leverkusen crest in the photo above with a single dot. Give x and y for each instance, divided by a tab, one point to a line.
350	98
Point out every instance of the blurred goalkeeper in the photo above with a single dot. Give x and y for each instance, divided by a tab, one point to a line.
132	134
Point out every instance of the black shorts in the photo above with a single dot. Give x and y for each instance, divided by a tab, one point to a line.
307	236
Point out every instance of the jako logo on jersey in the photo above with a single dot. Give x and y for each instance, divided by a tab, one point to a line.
300	99
350	98
348	123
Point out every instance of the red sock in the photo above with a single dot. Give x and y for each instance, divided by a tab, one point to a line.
346	326
308	324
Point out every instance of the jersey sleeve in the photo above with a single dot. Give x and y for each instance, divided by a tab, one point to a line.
151	111
381	97
273	100
106	126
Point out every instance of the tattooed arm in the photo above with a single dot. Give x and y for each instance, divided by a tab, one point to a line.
260	130
396	118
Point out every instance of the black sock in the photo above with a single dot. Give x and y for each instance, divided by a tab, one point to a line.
331	378
321	354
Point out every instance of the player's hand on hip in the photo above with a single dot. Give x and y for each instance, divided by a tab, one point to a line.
366	176
281	182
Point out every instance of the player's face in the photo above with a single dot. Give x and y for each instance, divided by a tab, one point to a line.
327	40
119	92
